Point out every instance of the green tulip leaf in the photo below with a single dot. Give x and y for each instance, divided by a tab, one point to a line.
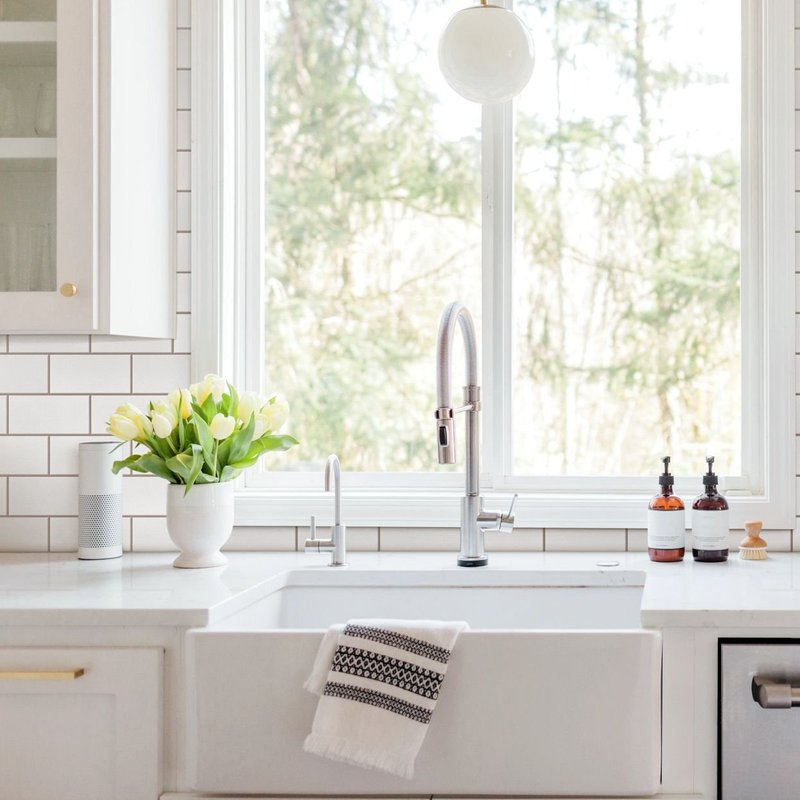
205	439
126	463
268	443
209	408
198	410
229	473
245	463
276	442
155	466
234	403
160	447
240	442
187	465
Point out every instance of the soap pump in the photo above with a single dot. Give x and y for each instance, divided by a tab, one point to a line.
666	521
710	520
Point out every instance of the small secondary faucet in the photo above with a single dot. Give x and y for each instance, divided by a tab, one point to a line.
335	545
474	520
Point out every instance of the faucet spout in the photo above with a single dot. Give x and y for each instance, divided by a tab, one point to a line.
455	313
336	544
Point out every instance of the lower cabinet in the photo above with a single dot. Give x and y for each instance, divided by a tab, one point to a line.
80	723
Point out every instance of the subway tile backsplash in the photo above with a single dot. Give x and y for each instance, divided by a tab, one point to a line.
73	374
584	539
27	373
56	391
24	455
45	414
159	374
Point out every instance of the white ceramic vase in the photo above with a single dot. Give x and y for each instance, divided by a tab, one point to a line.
200	522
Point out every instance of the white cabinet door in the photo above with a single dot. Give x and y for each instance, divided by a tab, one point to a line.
48	169
80	723
87	167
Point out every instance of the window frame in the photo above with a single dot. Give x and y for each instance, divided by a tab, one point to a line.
227	319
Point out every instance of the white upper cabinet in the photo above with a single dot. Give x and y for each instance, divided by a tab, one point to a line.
87	148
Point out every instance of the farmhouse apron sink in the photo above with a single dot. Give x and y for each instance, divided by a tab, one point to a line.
554	690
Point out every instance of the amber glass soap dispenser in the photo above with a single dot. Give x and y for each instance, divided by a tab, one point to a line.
666	527
710	520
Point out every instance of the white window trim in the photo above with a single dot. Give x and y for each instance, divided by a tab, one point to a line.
227	316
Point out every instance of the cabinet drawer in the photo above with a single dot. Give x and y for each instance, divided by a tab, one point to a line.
80	723
758	745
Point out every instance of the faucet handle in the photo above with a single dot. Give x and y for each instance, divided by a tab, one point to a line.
315	545
510	514
497	521
506	523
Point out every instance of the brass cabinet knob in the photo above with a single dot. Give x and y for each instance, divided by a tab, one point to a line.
69	289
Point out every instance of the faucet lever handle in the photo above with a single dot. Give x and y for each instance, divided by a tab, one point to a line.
506	521
313	528
510	515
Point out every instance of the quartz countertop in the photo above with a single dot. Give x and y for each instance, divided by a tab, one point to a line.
144	588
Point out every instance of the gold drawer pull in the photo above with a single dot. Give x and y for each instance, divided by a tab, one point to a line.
50	675
69	289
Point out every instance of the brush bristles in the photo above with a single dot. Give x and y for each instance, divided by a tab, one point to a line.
753	553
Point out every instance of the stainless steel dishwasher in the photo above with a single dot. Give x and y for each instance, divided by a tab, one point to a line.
759	719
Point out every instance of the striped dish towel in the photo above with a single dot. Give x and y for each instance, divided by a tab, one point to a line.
378	682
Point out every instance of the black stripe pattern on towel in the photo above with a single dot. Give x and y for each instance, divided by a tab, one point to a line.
401	641
364	664
379	700
393	671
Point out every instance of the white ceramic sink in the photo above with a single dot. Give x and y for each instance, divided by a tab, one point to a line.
554	690
540	601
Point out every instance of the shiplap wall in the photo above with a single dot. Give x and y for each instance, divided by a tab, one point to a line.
56	391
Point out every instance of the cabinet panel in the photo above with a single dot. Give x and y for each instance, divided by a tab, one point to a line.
87	168
757	752
48	113
45	726
95	735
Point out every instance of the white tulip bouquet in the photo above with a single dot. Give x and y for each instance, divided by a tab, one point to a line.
207	433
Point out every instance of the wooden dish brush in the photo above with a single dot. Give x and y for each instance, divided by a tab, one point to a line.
753	547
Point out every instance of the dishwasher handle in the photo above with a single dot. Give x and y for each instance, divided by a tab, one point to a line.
771	694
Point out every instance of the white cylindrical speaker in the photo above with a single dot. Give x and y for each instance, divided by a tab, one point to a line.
100	502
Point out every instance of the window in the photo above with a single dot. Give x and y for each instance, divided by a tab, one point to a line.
373	224
622	236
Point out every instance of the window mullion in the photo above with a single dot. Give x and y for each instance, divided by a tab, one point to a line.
497	178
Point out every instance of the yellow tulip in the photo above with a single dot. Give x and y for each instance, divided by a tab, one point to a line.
182	400
222	427
210	385
143	424
121	427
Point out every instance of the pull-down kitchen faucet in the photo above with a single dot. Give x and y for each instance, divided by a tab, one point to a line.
474	520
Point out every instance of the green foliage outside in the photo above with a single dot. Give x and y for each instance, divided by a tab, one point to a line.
626	282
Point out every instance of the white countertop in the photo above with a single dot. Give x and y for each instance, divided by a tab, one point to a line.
144	588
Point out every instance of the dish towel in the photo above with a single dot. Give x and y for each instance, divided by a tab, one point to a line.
378	682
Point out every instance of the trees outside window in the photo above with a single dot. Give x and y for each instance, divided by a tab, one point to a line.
625	312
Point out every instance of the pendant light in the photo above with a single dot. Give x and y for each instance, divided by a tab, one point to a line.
486	53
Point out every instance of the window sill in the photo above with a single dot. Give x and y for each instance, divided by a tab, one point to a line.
441	509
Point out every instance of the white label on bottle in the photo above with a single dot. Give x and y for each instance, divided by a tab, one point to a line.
666	529
710	529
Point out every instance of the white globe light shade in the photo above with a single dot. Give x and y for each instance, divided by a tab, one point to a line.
486	54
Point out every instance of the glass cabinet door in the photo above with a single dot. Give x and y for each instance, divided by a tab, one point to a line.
28	70
48	90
